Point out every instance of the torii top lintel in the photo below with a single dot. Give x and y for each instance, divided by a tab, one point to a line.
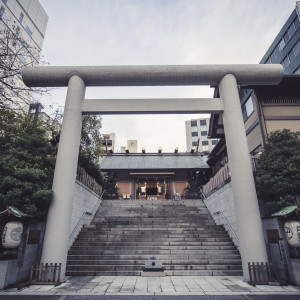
163	75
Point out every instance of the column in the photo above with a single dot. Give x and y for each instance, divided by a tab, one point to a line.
252	244
56	241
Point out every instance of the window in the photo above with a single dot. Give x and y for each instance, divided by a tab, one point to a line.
21	17
204	138
17	31
203	132
4	1
2	9
204	143
291	30
25	44
203	128
194	139
281	44
28	30
296	48
194	144
296	23
205	148
285	62
194	129
247	109
214	142
22	58
195	133
203	122
194	123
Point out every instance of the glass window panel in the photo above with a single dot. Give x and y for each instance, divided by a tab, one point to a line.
291	55
195	133
202	122
204	138
194	138
203	128
296	22
194	129
296	48
203	132
205	148
286	37
286	62
21	17
205	143
249	106
281	44
214	142
291	30
194	144
193	123
273	57
28	30
276	52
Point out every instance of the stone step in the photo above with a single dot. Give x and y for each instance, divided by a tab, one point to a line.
168	273
148	247
202	262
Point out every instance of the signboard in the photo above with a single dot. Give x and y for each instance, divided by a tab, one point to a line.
12	234
292	233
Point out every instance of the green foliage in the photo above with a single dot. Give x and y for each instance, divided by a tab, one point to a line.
26	164
91	147
277	174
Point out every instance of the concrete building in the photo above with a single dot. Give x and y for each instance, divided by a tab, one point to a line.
285	48
197	135
24	22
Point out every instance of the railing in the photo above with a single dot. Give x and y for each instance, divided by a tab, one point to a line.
88	181
228	224
219	179
225	219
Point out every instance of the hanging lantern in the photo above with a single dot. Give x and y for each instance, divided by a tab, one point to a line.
292	233
12	234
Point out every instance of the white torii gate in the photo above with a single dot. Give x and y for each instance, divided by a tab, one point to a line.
227	77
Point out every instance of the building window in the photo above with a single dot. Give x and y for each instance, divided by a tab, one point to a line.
204	138
194	129
203	122
214	142
21	18
4	1
194	139
194	144
247	109
194	123
25	44
2	9
203	132
28	30
204	143
203	128
205	148
295	51
281	44
22	58
17	31
285	62
195	133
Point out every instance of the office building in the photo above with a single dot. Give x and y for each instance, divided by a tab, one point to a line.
108	142
22	29
197	136
285	48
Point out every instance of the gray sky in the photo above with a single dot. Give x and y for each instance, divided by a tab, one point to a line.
157	32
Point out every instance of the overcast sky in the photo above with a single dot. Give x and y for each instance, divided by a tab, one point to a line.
157	32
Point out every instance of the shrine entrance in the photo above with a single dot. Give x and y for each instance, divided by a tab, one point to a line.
225	77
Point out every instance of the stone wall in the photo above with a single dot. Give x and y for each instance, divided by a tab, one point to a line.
221	202
85	205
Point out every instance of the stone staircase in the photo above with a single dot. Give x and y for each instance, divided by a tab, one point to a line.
180	233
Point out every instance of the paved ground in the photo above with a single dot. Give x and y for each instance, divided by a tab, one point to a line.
130	286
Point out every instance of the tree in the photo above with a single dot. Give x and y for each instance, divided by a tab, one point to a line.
27	161
16	53
91	147
278	174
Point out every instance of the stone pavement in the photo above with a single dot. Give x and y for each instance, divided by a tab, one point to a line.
170	285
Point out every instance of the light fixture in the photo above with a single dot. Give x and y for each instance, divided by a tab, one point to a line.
176	150
126	150
110	150
159	150
143	150
193	150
